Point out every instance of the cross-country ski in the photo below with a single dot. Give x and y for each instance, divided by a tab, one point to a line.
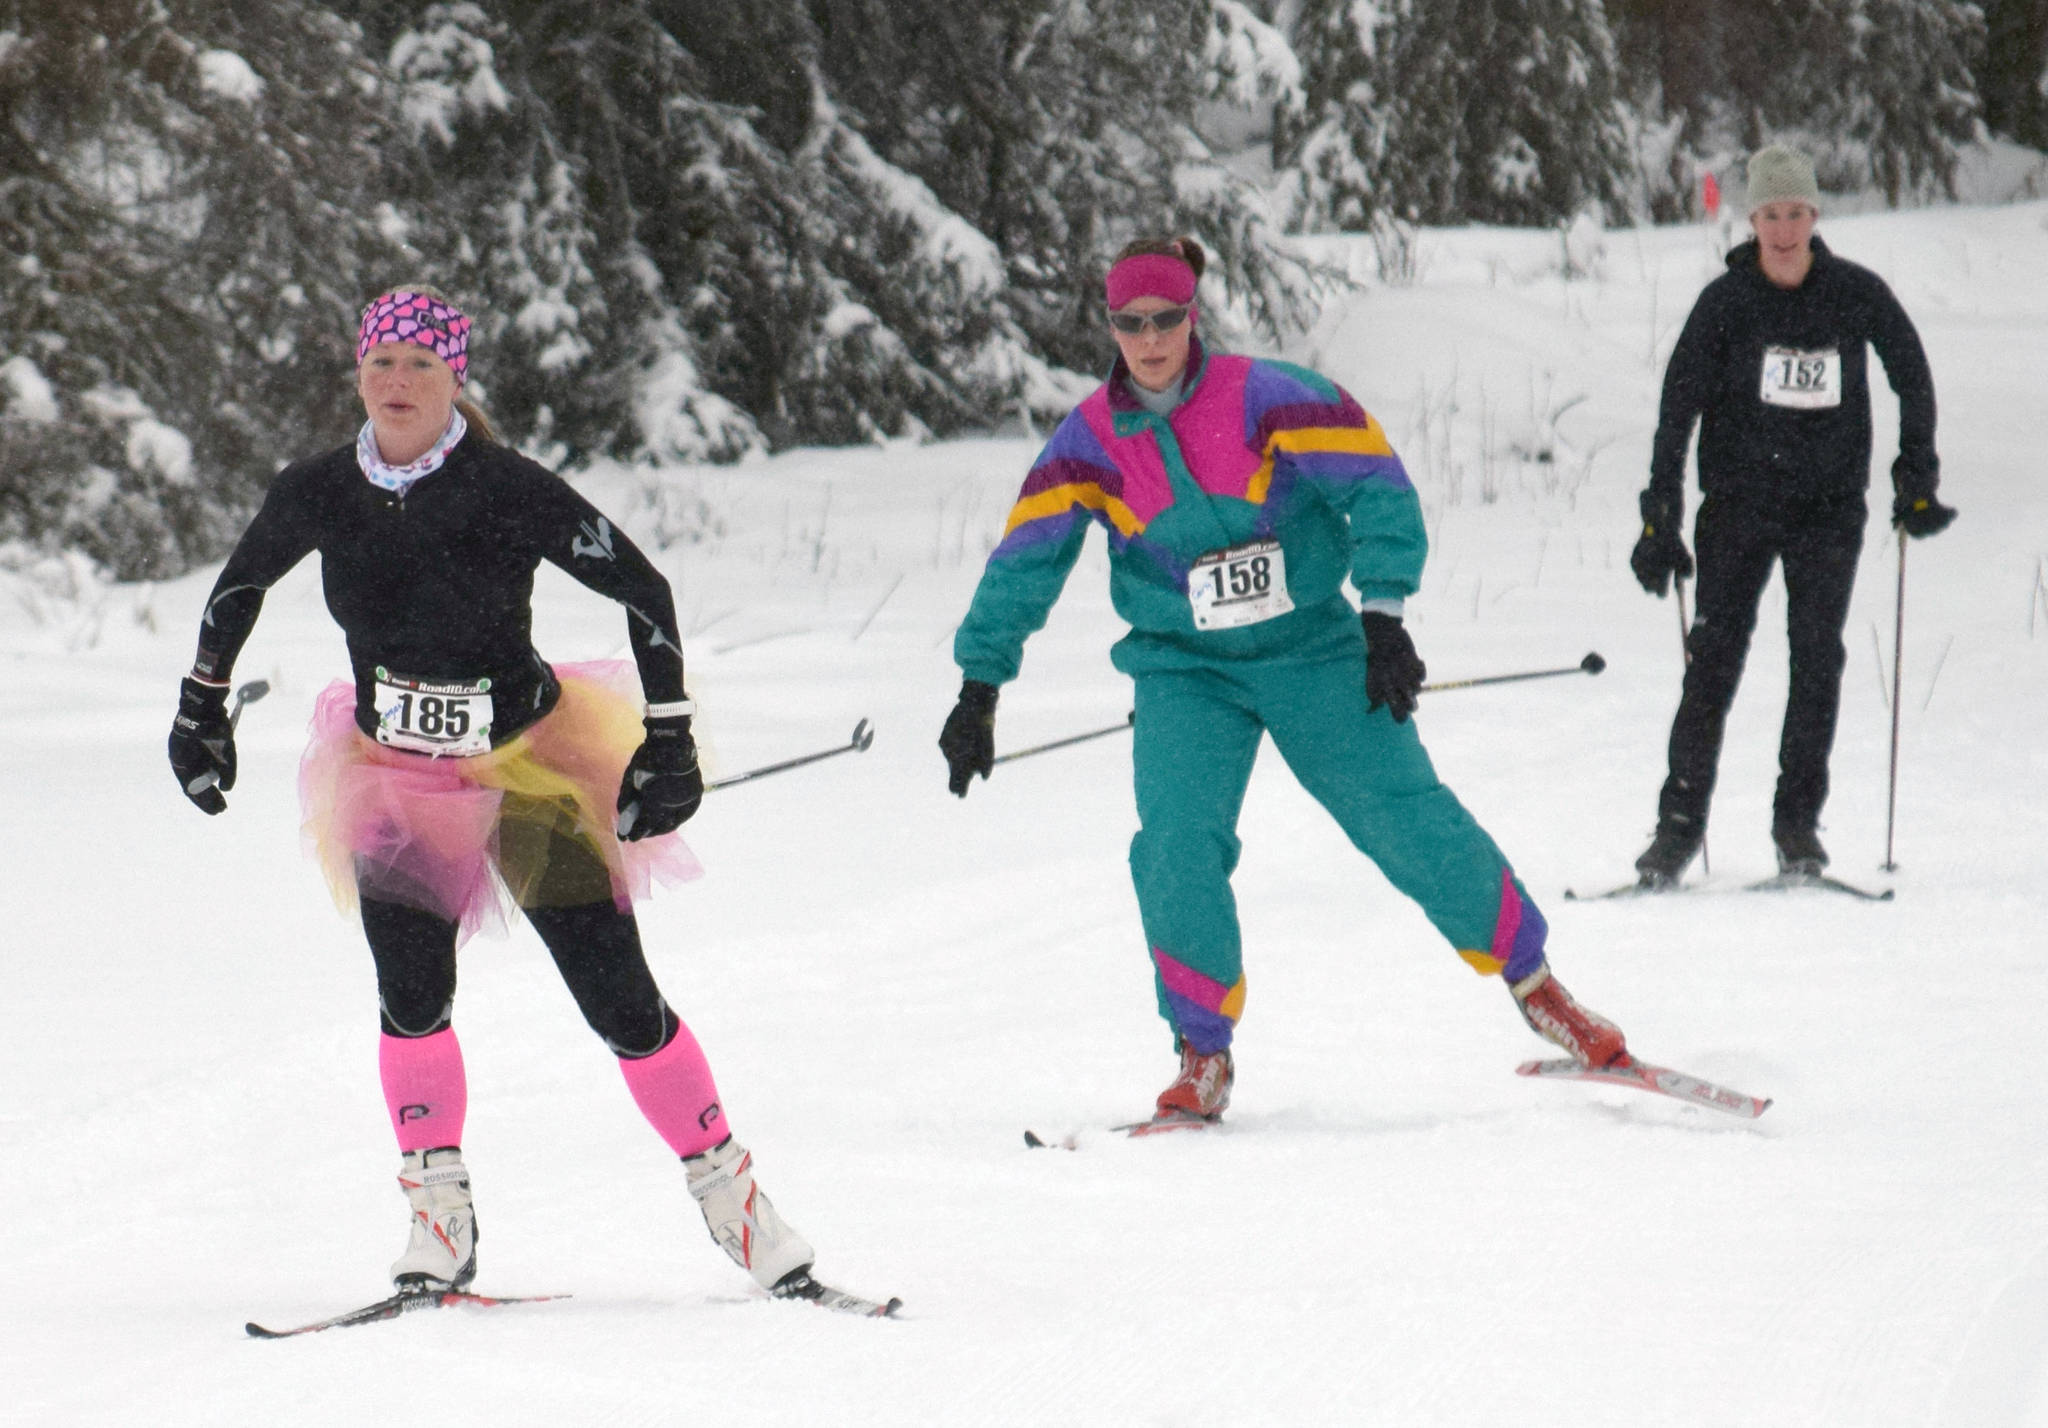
1169	1124
1782	882
1644	1076
1820	882
397	1305
804	1289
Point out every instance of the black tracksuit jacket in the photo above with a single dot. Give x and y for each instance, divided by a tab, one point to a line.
1789	463
438	583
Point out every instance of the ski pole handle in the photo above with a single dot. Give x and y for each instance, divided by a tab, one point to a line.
862	738
1591	664
249	693
1129	720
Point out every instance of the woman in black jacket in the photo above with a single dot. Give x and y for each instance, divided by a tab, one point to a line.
1772	365
458	774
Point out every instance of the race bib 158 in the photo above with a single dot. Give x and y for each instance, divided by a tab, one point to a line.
1239	585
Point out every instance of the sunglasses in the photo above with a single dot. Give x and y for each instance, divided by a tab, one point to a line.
1133	323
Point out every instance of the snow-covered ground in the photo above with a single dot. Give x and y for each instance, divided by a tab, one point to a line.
1393	1229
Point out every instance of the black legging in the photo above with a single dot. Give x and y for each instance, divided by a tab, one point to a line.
596	948
1736	547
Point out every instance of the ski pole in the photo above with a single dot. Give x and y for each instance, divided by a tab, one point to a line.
863	736
1891	798
1129	719
1591	664
1685	650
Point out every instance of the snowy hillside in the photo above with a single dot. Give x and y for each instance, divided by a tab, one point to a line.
891	985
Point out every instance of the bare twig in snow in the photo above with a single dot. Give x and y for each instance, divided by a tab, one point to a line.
1939	660
878	608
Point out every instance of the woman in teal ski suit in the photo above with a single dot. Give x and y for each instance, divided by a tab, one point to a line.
1237	494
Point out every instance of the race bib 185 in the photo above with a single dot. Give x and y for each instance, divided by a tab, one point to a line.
1239	585
1805	380
443	717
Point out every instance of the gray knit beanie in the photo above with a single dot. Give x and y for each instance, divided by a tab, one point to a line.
1778	174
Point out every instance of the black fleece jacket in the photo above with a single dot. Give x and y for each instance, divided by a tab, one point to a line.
438	583
1789	461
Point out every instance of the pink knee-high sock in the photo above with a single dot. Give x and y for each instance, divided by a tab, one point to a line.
424	1088
673	1090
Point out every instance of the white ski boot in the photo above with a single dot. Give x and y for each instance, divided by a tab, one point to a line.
441	1254
741	1220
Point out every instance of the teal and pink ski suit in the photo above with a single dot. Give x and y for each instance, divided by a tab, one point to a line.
1254	450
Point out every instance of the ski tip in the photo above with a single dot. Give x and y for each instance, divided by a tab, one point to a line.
1641	887
888	1310
1165	1125
257	1331
1031	1139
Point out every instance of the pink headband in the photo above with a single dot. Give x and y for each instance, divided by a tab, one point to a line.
1150	275
407	316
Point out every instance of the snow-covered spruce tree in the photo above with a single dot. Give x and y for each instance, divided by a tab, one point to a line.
71	284
1060	131
1334	148
2012	70
542	138
675	243
1902	94
1881	91
1449	111
839	300
184	191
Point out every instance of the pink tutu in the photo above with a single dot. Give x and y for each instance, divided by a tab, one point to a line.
529	824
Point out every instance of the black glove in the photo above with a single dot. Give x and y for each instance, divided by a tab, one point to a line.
1922	516
203	744
1660	551
969	739
663	784
1393	671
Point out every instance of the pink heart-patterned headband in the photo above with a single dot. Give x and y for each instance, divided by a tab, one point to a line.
408	316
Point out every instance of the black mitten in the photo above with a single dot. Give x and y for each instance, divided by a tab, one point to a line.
1393	671
1660	551
663	784
1921	517
203	744
969	739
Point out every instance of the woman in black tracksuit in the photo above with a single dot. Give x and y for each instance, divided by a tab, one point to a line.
1772	365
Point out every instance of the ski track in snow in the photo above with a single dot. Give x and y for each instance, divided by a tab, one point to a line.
1394	1228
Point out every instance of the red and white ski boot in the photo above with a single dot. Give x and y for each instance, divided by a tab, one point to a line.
1592	1039
1202	1089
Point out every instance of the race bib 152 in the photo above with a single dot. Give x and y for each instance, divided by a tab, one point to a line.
1804	380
